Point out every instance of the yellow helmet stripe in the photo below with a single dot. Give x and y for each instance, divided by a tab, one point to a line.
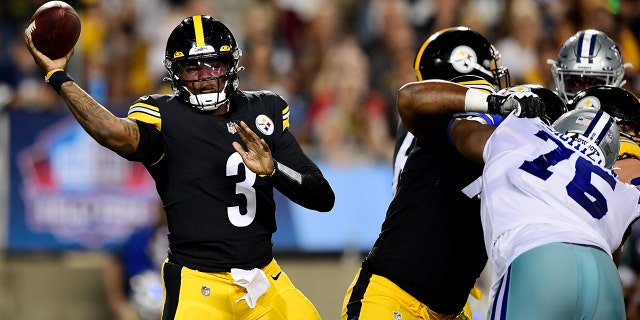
416	62
197	25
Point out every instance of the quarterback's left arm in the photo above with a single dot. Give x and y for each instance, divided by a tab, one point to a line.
290	170
299	178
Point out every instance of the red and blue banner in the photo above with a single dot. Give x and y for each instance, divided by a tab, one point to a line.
69	192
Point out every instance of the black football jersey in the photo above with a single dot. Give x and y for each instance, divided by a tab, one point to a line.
220	214
405	141
431	243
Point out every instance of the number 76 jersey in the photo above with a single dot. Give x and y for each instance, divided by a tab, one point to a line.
540	186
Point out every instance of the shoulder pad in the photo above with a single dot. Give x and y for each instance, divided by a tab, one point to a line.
145	110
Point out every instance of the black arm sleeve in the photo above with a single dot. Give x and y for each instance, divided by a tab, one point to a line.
299	179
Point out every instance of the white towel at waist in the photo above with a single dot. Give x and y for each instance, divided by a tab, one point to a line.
254	280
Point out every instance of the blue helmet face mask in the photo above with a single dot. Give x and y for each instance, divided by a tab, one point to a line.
202	59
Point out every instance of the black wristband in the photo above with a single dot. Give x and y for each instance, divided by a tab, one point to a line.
57	79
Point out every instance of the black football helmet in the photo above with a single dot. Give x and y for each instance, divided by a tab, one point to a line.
554	106
203	42
458	51
621	104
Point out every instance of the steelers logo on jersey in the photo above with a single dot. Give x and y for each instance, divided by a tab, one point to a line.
463	59
589	102
265	124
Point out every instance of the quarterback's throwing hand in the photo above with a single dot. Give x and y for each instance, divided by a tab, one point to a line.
525	104
258	156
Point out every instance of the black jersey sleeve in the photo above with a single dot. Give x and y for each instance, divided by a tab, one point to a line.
146	113
299	178
150	148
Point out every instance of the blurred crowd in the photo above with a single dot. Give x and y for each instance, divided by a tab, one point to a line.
338	63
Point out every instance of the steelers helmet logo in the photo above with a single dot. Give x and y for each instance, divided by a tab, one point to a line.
589	102
463	59
265	124
517	89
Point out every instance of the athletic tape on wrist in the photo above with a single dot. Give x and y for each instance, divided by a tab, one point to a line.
476	101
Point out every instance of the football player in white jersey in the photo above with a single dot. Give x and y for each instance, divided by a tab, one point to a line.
553	211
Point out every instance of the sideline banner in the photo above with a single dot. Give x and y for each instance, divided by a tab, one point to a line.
67	191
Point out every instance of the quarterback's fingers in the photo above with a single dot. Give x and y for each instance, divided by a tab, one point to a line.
252	136
264	145
239	149
241	132
44	62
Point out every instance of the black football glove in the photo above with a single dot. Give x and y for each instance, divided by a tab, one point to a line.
525	104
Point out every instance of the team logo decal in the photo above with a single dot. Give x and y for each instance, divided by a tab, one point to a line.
206	291
463	59
589	102
231	128
517	89
397	315
265	124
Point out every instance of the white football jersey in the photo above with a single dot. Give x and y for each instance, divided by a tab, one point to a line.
539	186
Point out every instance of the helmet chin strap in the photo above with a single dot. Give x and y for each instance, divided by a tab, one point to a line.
208	101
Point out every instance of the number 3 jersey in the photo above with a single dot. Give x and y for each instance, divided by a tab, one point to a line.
539	186
220	214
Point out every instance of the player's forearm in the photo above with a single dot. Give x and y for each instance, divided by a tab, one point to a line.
119	135
309	189
470	138
420	103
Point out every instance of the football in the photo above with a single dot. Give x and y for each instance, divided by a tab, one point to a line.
55	28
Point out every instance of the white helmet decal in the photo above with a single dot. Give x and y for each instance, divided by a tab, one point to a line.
463	59
588	102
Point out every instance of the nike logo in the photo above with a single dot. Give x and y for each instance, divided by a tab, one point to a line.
276	276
